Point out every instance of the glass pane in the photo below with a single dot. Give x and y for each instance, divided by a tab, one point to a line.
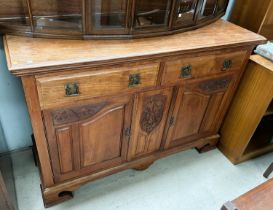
151	12
208	8
222	4
57	16
186	12
109	13
12	12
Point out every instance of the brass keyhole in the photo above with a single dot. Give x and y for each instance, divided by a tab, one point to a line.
227	64
134	80
72	89
186	71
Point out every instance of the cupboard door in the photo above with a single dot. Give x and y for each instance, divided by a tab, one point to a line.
207	10
107	16
57	16
199	109
149	118
88	138
185	13
151	15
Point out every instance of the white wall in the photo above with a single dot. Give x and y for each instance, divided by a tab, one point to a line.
15	128
229	9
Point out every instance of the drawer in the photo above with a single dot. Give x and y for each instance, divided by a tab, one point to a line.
70	87
181	68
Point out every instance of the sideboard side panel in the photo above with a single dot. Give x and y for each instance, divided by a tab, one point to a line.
31	95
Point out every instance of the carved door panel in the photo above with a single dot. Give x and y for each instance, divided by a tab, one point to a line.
199	109
149	118
88	138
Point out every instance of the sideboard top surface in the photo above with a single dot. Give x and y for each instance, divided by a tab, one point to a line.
31	55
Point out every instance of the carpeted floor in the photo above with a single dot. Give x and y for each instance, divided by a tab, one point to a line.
184	181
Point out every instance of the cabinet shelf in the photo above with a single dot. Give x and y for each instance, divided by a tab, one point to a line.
262	140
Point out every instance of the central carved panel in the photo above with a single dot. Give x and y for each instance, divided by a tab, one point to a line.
153	108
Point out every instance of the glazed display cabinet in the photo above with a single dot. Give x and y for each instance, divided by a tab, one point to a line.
93	19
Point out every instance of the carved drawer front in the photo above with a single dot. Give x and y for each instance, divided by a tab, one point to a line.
199	109
179	69
149	118
69	87
88	138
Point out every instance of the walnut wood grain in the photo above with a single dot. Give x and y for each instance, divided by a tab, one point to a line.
197	109
95	142
24	54
103	82
38	129
150	113
214	64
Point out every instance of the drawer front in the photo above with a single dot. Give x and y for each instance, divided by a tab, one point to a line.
67	88
179	69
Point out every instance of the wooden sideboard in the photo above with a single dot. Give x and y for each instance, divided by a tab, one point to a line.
99	107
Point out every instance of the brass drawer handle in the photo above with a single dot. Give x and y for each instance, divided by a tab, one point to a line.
72	89
134	80
186	71
227	64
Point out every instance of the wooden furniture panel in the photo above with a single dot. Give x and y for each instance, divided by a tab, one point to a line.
66	88
65	148
128	106
27	59
32	99
266	29
254	16
197	109
247	110
100	138
178	69
150	113
89	137
259	198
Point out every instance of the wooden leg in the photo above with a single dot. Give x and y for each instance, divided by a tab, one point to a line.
210	145
143	166
205	148
268	171
34	150
53	199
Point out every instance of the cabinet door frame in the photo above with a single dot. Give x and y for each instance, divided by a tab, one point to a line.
90	30
107	105
149	123
151	28
175	24
223	104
